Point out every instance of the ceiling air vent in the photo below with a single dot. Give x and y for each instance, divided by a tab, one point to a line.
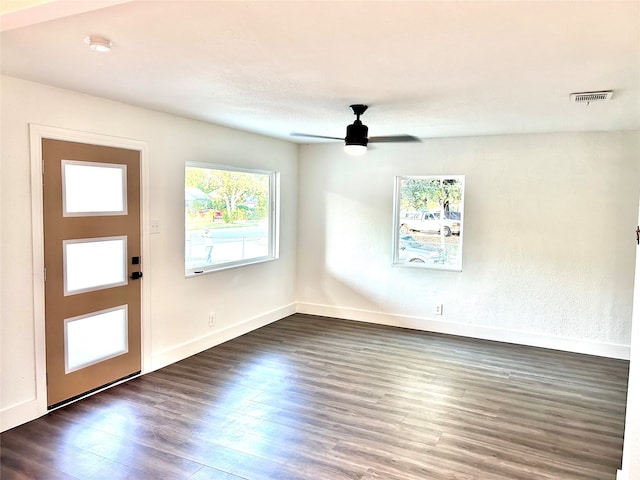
588	97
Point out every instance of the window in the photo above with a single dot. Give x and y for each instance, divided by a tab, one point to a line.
428	219
93	189
230	217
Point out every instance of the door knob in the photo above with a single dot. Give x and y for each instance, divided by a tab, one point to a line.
136	275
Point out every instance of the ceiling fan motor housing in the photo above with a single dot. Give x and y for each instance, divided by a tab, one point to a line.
357	134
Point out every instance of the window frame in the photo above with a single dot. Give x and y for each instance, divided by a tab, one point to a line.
396	261
273	221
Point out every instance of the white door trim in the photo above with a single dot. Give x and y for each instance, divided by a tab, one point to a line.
631	447
36	134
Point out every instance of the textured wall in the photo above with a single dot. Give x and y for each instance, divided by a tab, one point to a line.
548	235
548	248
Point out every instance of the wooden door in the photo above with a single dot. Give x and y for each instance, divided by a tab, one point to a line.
91	197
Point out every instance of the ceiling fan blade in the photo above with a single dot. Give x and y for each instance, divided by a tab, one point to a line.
394	139
295	134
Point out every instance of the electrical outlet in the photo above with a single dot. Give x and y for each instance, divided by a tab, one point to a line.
212	319
438	309
155	226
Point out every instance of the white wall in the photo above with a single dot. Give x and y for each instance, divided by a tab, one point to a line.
549	246
631	452
179	306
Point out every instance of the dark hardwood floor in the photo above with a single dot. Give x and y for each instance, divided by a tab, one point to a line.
315	398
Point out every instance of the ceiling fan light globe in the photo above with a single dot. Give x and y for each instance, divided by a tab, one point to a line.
355	150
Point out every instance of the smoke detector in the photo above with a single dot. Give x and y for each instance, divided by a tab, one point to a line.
588	97
98	44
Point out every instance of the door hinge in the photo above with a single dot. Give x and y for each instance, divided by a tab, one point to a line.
47	378
45	274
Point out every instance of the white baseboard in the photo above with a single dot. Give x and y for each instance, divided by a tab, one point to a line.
466	330
197	345
622	476
30	410
18	414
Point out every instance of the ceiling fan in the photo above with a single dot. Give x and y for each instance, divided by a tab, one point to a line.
357	137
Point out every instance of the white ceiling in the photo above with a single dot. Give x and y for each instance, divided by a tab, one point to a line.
426	68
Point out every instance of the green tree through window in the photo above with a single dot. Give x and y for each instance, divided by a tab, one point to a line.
429	219
229	217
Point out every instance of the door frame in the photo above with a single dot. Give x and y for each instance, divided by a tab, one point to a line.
36	134
631	441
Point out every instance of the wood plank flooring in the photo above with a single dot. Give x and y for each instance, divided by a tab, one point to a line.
326	399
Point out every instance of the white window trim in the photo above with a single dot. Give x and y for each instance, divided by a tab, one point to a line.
396	223
273	236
